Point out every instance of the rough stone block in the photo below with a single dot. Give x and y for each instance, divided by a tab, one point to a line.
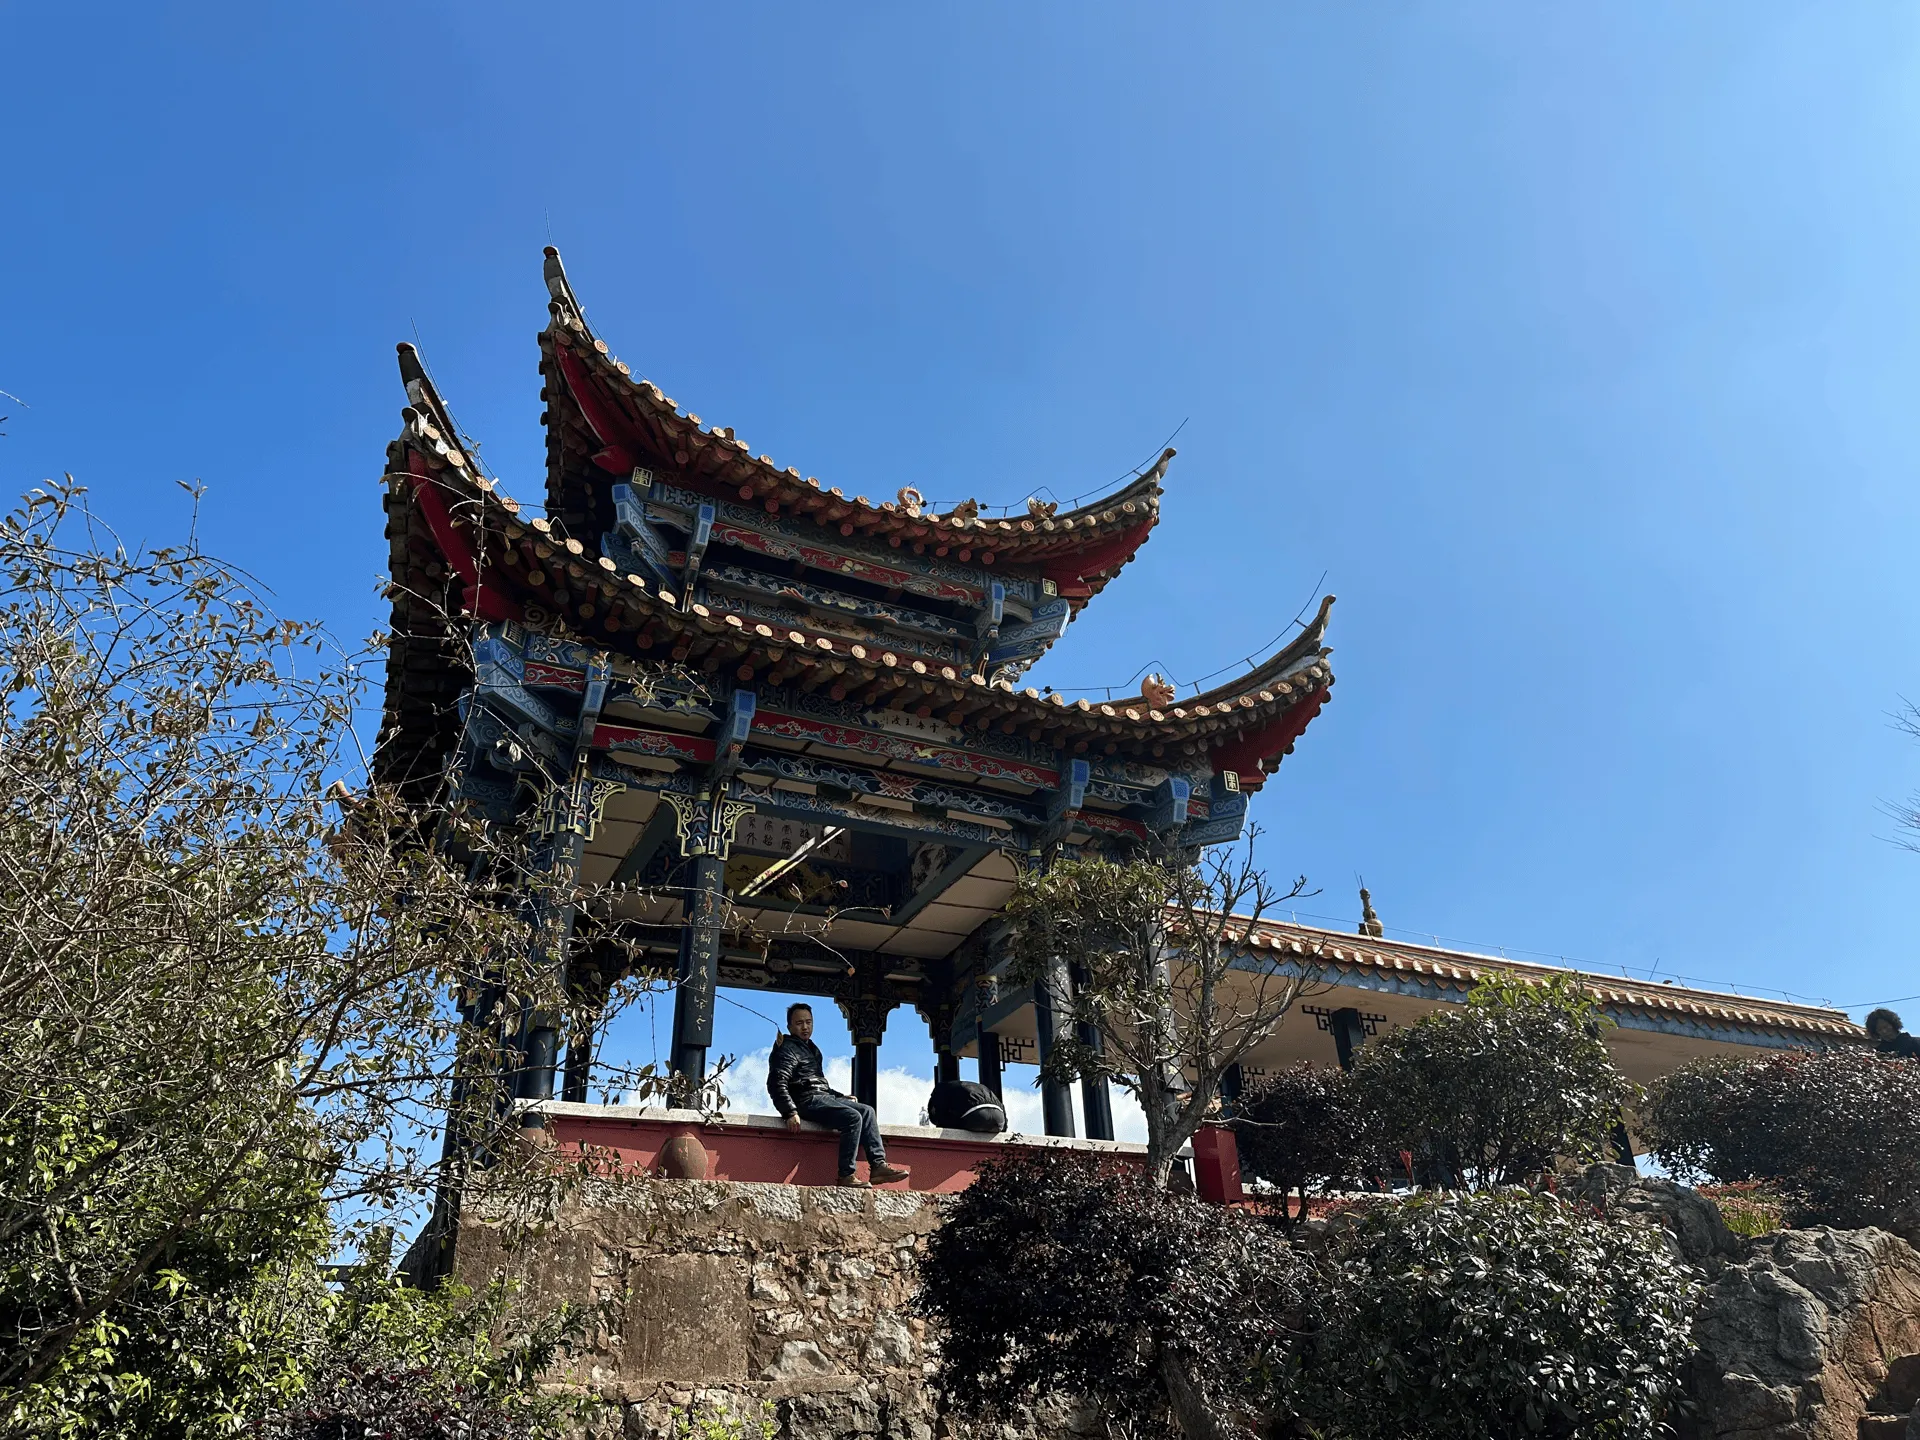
1797	1340
686	1318
890	1345
766	1283
1696	1231
781	1296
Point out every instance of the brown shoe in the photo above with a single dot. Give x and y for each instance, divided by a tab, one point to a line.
853	1182
887	1174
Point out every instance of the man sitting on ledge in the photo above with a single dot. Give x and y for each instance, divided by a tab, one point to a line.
797	1081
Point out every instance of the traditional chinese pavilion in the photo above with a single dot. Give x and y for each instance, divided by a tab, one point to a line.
781	728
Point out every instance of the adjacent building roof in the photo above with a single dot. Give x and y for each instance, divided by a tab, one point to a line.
1372	963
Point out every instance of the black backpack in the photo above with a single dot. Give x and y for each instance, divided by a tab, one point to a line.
963	1105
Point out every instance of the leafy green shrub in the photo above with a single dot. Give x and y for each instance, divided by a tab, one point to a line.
705	1421
1483	1317
396	1405
1836	1133
1304	1128
1058	1275
1491	1092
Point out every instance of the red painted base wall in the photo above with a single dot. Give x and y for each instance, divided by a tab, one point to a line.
761	1147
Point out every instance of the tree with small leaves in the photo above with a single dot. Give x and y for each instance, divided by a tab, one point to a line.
226	1018
1497	1316
1305	1128
1836	1133
1161	973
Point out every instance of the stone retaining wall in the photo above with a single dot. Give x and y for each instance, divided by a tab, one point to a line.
784	1300
793	1303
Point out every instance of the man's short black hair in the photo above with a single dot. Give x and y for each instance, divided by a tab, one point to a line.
798	1005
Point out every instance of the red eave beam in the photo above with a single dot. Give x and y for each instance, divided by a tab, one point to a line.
1069	572
617	437
1244	754
487	604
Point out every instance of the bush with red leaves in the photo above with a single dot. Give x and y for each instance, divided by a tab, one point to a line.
1837	1133
355	1404
1057	1275
1304	1128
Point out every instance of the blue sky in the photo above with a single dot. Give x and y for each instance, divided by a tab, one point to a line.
1575	347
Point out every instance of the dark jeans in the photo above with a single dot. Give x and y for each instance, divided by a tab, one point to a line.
857	1124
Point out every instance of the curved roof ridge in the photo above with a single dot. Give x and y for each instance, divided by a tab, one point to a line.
1299	651
624	416
1148	482
1296	651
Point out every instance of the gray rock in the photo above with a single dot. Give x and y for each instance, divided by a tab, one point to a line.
798	1359
842	1415
1696	1231
1797	1339
896	1204
891	1343
771	1202
765	1284
837	1202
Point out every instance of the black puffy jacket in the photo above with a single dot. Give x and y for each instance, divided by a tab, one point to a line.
795	1073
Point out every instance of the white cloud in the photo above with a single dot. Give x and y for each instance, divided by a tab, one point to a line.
1129	1120
745	1084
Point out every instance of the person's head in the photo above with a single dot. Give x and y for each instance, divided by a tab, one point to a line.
1882	1023
800	1020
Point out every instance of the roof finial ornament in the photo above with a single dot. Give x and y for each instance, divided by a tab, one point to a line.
1156	692
1370	925
1041	509
911	500
966	510
1318	628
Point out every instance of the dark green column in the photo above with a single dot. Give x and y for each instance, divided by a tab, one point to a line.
1050	1021
699	972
